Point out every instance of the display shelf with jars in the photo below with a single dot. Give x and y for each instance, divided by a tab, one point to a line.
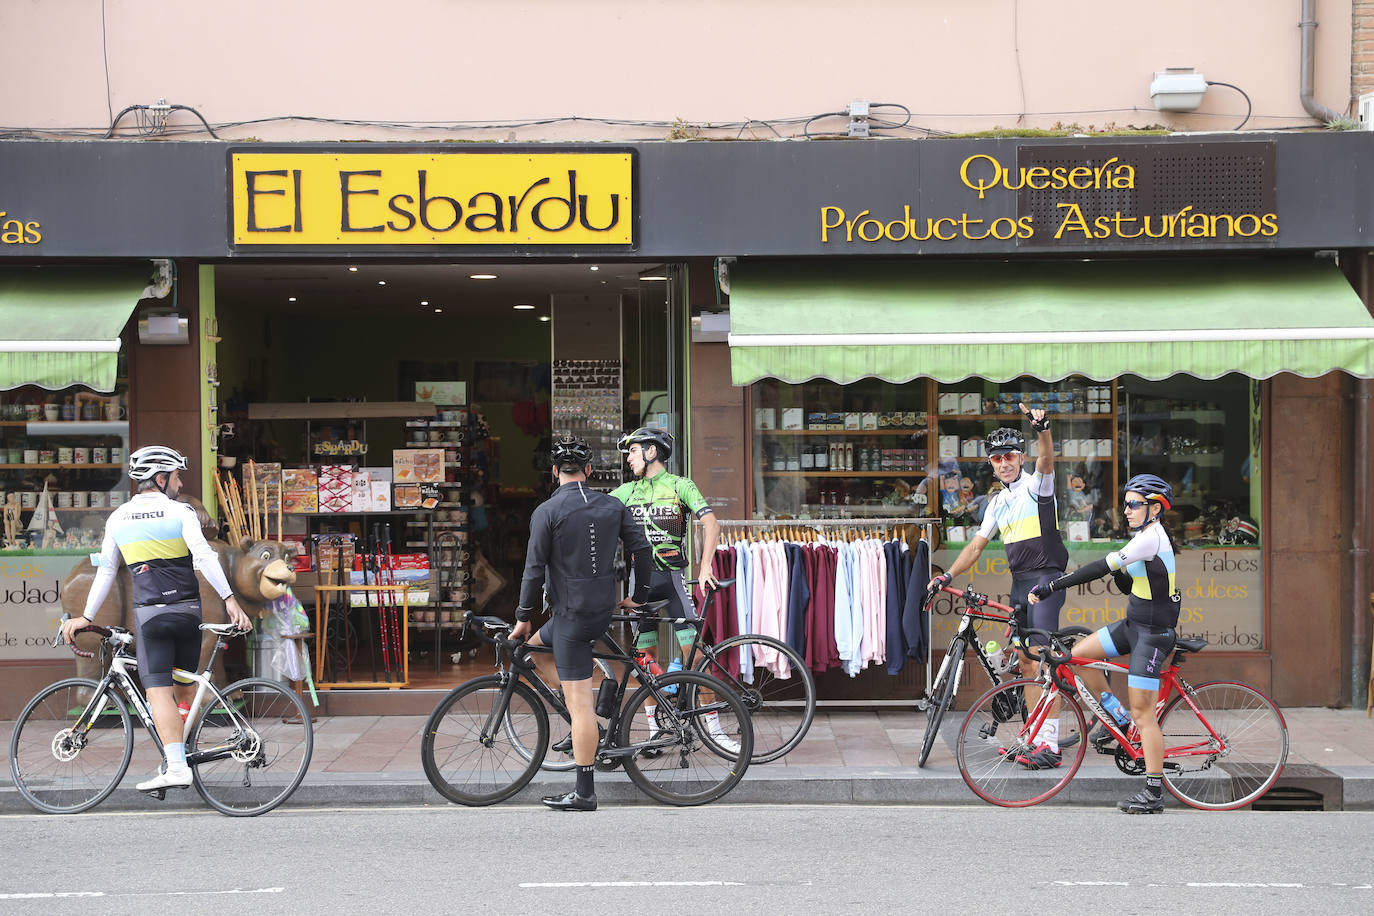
1083	416
62	462
823	449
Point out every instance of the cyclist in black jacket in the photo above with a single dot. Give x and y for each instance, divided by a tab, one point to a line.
571	557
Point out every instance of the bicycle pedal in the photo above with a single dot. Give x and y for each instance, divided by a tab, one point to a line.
159	794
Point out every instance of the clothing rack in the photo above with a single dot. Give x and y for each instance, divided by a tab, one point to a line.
860	525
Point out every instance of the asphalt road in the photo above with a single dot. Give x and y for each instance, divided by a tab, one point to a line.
718	859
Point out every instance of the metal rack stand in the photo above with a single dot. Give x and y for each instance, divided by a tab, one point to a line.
826	527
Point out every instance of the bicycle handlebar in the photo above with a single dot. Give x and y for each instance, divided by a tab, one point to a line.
972	599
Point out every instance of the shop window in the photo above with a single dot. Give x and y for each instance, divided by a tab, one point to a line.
825	450
62	459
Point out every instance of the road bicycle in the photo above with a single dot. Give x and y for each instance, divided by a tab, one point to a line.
248	745
781	708
1003	665
1225	743
687	745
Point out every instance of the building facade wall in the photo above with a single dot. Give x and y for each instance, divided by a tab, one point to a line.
629	69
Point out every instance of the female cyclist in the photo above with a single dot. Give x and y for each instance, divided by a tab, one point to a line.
1145	569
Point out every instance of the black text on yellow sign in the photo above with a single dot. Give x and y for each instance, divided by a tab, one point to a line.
458	198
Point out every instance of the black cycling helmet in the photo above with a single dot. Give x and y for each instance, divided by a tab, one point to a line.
1004	440
1151	487
650	435
570	453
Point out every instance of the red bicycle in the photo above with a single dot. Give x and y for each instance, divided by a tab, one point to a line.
1225	743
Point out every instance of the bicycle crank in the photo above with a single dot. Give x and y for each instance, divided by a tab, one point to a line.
1127	765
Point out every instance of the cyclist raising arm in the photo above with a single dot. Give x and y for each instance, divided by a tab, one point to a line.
1025	514
663	504
1144	568
159	539
572	547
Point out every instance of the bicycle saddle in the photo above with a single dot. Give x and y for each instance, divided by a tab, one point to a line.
1190	645
223	629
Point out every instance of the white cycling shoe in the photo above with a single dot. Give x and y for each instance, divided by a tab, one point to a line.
718	736
167	779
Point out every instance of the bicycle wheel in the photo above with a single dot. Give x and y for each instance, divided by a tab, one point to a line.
997	728
60	771
1232	762
258	754
471	765
942	693
690	770
782	708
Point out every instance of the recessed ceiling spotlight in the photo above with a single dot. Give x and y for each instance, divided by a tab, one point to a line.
438	311
290	298
523	307
543	317
383	282
594	267
353	269
424	302
653	278
481	276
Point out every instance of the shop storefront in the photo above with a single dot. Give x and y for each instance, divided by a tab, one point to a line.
1186	307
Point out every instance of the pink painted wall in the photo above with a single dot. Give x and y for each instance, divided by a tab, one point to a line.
960	66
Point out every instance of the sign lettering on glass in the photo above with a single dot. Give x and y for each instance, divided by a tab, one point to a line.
31	605
15	231
458	198
1221	589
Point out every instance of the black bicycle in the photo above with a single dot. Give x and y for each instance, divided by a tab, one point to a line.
684	738
770	677
1000	664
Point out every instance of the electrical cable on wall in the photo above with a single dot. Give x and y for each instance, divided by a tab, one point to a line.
1248	106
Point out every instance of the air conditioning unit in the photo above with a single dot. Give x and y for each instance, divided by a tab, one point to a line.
1366	110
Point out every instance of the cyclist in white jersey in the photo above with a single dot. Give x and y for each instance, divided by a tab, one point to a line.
159	539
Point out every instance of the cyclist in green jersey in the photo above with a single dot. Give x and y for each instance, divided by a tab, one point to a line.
664	504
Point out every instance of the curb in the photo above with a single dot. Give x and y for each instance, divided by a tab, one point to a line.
1341	788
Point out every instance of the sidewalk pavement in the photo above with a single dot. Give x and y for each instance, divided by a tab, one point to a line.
847	757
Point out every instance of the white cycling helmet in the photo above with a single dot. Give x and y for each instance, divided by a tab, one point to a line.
155	459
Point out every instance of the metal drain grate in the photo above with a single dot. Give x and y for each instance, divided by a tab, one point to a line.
1290	798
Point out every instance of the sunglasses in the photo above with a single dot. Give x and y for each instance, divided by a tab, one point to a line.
1135	504
1001	459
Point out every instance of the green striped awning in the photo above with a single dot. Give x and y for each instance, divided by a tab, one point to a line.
60	323
998	320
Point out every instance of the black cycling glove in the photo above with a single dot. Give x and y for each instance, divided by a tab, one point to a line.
1039	425
1041	592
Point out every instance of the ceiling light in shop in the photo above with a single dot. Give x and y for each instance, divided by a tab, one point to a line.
290	298
481	276
653	278
543	317
424	302
353	269
594	267
383	282
523	308
438	311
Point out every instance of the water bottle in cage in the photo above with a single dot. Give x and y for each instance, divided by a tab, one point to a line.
1001	659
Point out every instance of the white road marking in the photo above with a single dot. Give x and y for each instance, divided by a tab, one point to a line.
1286	885
54	894
567	884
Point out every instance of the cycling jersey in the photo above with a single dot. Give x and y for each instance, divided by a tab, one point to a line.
571	554
1026	516
1149	560
662	505
159	539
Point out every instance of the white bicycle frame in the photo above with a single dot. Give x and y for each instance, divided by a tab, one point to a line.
118	676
